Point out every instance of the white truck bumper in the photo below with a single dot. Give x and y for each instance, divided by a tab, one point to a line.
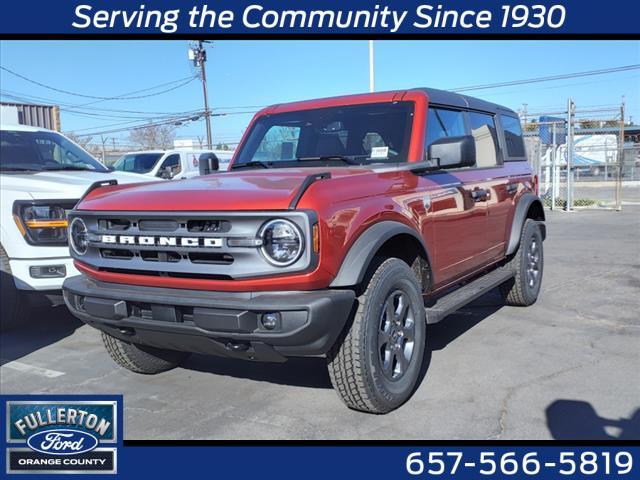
24	278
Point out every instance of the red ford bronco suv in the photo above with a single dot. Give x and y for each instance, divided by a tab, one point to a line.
344	226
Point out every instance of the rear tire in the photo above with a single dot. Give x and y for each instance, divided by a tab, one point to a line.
375	364
15	307
527	263
142	359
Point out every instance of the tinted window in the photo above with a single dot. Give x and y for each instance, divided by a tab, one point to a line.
137	162
42	151
172	162
513	136
483	130
443	123
371	133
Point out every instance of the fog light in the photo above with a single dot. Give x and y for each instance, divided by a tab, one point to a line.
48	271
270	320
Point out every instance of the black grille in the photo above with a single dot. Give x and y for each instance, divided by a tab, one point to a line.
212	226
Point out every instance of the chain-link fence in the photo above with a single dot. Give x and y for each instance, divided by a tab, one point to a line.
584	158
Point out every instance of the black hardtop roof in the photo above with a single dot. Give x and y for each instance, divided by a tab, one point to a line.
453	99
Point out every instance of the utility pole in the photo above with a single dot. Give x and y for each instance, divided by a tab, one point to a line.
620	158
199	57
371	83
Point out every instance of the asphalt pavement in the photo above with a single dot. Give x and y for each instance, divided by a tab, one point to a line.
566	368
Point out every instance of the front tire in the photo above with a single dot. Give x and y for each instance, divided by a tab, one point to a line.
142	359
375	365
528	262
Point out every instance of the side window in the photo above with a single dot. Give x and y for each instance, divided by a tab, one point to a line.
172	161
513	136
483	130
443	123
279	143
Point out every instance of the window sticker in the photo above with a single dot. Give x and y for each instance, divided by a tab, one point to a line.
380	152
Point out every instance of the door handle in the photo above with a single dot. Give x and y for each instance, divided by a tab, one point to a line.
479	194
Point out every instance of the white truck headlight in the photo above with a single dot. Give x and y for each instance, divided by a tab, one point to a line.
78	236
282	242
41	224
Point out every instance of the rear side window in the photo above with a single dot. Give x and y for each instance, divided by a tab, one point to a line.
483	130
513	136
442	123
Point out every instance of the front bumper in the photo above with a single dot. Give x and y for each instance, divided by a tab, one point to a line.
20	269
222	323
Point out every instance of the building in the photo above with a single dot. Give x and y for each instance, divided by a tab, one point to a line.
43	116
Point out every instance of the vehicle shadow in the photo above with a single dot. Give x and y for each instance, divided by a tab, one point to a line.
312	372
300	372
46	325
578	420
440	334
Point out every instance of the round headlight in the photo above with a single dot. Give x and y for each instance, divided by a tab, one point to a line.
282	242
78	237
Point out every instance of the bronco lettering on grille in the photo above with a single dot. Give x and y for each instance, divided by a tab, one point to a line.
162	241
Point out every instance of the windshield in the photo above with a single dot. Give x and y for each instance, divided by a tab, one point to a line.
40	151
137	162
345	135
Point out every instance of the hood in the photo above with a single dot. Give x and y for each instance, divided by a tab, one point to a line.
241	190
62	184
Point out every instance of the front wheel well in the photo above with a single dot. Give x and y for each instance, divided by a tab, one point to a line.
408	249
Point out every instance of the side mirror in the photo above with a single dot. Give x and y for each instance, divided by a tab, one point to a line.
451	152
208	163
166	173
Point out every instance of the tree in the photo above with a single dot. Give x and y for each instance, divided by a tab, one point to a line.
83	141
589	124
153	136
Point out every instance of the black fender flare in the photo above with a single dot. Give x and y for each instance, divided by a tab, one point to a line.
355	263
519	217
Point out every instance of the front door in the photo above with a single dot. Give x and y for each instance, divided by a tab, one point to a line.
458	205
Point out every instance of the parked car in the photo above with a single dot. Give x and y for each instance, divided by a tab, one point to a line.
344	227
167	164
43	175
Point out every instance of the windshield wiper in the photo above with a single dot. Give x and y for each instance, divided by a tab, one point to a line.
68	167
18	169
342	158
252	163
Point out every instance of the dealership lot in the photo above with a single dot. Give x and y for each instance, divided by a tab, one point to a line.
564	368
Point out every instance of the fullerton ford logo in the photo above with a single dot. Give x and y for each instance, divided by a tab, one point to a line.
62	442
162	241
62	434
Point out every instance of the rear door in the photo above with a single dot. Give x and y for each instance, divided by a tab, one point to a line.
494	179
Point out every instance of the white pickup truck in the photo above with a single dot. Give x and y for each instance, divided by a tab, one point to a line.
42	176
168	164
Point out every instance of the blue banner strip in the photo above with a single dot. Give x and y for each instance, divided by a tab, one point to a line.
328	17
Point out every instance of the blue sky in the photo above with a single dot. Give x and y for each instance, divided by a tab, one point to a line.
256	73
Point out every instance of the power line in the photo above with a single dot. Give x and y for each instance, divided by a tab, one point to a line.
135	126
124	96
548	78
